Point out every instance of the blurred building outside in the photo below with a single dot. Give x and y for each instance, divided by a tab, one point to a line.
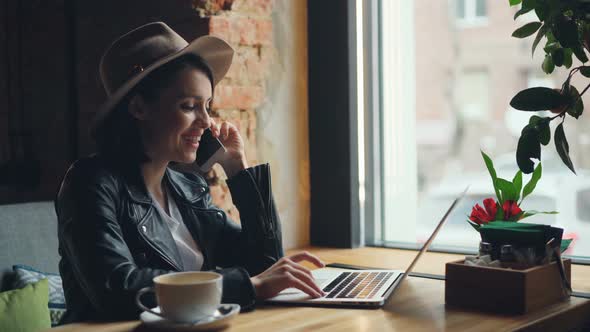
467	69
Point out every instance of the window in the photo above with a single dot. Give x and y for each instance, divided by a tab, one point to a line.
471	12
442	100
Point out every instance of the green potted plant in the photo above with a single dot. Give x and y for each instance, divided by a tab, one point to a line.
564	25
506	209
509	198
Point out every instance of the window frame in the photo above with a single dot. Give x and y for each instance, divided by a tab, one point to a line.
335	210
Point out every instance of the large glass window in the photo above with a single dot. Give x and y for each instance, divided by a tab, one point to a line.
444	96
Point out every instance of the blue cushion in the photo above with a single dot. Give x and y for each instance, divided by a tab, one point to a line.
25	275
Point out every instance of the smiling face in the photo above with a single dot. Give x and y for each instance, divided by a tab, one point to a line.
171	125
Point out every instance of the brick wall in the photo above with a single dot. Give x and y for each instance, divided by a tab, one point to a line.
247	26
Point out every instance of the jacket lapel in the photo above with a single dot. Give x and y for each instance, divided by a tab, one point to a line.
150	225
156	233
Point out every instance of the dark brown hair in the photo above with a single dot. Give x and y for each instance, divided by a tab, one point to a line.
118	137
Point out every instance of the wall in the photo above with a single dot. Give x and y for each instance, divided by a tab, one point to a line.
283	121
265	93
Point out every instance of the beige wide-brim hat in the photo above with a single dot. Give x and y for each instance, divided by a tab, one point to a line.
131	57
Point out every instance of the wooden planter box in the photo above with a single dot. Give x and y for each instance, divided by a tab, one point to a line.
509	291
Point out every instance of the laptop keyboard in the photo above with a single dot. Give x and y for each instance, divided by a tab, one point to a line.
360	285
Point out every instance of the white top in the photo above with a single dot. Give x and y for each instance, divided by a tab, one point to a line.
190	253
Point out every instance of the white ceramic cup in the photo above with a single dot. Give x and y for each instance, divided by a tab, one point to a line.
185	296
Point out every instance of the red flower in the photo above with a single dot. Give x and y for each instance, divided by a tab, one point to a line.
511	210
480	215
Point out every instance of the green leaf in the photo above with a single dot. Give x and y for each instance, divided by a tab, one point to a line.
508	190
530	213
514	2
527	30
549	35
579	107
517	181
576	105
529	3
537	99
563	148
565	88
548	66
541	125
585	70
558	57
541	11
567	61
566	32
530	186
580	54
499	212
474	225
538	38
490	166
528	148
535	120
551	46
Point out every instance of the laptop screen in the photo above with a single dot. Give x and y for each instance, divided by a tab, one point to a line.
433	235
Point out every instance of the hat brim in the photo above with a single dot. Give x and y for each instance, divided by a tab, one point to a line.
216	53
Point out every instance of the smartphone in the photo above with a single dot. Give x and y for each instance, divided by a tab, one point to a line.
209	152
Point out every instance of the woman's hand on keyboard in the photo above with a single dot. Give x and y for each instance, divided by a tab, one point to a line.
288	273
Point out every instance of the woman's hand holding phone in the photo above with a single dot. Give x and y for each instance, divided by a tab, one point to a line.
234	158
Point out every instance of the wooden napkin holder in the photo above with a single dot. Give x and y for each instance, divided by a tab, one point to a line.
502	290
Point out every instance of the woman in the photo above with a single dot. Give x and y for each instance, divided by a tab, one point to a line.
126	217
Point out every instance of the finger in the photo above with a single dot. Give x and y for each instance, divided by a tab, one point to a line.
234	127
289	262
224	130
306	256
214	128
296	283
232	130
308	279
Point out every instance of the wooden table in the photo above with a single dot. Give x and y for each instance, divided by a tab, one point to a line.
418	304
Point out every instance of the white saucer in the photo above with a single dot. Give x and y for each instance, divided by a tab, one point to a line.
221	318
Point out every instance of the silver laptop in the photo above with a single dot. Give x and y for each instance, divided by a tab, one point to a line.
366	288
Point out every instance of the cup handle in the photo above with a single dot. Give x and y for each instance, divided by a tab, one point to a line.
141	305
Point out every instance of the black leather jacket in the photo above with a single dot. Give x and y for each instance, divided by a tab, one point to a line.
112	241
